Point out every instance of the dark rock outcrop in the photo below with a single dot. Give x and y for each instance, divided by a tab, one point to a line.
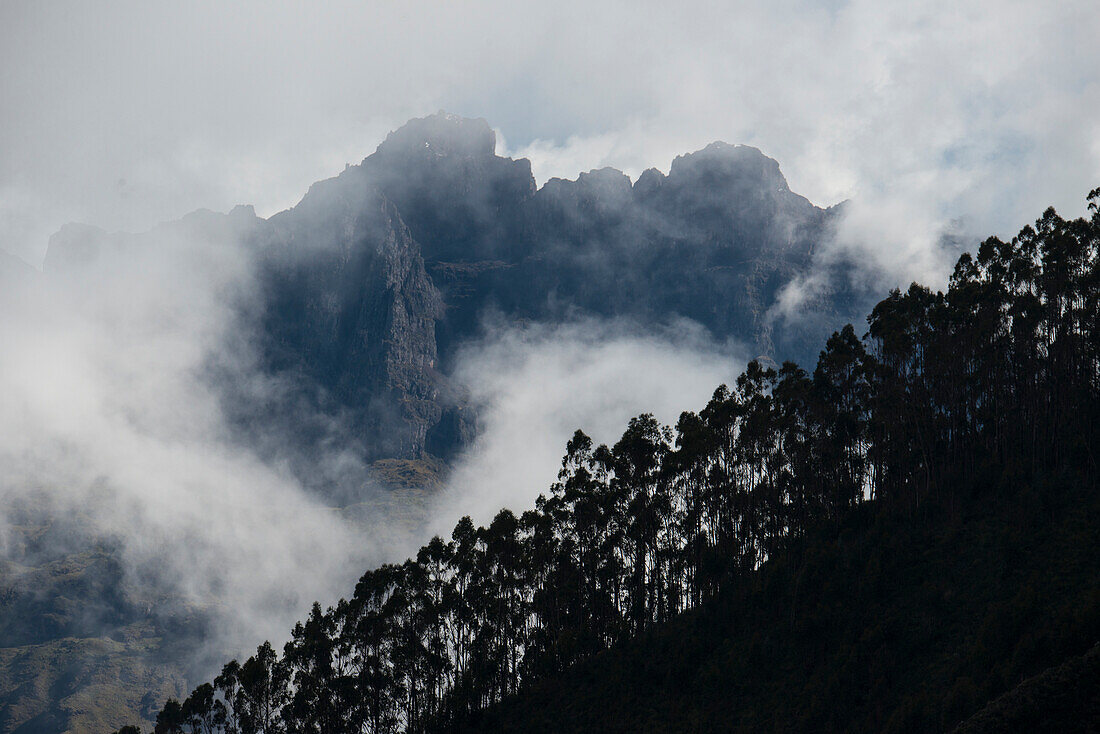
349	305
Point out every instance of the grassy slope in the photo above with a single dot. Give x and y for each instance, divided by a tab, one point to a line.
891	624
77	653
80	654
77	685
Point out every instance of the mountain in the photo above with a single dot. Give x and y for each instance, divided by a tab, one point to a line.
337	323
905	539
376	278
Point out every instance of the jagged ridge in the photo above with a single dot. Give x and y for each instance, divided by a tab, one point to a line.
377	276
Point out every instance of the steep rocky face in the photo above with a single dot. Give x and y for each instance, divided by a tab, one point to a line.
713	241
461	201
349	305
370	284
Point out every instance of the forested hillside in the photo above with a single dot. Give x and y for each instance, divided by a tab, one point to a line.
887	542
903	623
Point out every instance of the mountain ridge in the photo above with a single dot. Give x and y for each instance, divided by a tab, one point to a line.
713	241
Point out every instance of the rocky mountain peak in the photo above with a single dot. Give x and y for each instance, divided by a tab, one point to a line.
605	182
723	164
441	135
459	199
649	183
606	188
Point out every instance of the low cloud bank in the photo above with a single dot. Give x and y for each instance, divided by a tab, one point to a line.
113	423
537	384
109	419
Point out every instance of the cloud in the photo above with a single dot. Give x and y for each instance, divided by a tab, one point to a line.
112	419
536	385
109	422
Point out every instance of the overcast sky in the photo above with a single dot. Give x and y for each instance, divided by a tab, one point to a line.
124	114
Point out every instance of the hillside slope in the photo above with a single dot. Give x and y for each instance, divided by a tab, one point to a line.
1059	699
891	624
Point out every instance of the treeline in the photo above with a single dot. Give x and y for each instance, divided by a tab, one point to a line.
1000	373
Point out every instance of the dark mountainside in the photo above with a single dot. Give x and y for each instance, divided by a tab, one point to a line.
906	539
886	624
372	281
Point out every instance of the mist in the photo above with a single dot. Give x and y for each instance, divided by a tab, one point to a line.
934	124
110	421
115	430
535	385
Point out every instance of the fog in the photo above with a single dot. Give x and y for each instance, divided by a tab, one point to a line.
938	123
536	385
109	419
114	426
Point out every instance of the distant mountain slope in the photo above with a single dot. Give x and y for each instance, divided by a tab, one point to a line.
78	650
376	277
